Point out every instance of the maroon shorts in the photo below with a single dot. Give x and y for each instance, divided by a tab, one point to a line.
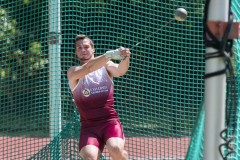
98	135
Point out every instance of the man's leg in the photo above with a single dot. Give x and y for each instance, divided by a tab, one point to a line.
90	152
89	146
115	147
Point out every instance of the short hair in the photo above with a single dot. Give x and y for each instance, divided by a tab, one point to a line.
82	37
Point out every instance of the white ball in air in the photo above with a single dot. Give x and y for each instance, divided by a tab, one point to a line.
180	14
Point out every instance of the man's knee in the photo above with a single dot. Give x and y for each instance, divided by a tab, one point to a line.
115	149
90	153
118	152
125	154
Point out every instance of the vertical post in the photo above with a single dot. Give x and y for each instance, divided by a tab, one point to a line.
55	76
55	67
215	89
236	12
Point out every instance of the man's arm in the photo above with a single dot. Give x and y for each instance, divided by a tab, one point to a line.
120	69
77	72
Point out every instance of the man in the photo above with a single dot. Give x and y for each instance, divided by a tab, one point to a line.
92	87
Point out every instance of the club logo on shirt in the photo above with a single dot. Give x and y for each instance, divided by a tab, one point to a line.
86	92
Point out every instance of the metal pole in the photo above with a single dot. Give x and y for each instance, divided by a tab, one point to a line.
215	89
55	67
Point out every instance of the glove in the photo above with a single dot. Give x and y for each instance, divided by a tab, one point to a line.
113	54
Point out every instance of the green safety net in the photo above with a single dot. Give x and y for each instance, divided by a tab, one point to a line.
159	100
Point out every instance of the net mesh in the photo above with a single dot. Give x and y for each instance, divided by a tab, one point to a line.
159	100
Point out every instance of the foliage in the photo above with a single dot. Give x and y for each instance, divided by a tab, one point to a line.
23	65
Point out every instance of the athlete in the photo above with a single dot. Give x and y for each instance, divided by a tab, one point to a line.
92	86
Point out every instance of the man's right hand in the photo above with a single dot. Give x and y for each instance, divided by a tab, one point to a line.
113	54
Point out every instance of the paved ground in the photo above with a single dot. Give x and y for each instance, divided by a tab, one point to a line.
139	148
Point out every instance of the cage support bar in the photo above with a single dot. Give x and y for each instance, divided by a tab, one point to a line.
215	89
54	44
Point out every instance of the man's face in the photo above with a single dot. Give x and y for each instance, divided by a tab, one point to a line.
84	50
